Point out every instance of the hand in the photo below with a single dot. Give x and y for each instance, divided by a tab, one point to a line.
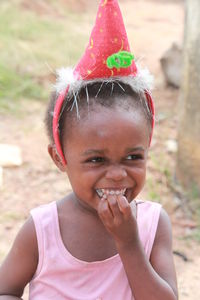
119	218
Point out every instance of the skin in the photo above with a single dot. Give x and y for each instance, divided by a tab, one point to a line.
108	149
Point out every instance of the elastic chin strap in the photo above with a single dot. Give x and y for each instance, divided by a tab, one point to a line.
56	116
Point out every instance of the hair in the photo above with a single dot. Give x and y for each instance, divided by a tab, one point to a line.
89	98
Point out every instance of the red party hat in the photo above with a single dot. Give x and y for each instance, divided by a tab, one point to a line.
107	57
108	38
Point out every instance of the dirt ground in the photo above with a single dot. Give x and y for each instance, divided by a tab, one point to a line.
157	24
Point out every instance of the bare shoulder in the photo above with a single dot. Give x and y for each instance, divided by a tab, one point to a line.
21	262
162	254
164	230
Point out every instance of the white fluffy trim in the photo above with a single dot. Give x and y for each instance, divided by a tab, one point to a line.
143	81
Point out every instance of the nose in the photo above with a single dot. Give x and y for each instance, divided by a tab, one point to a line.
116	173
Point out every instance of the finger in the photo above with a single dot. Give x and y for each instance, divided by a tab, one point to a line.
114	207
124	206
134	208
104	210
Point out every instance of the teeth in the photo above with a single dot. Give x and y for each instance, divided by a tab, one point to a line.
104	192
99	192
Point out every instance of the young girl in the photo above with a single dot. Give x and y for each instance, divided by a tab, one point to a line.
98	242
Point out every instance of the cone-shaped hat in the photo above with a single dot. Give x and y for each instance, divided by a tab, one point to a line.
108	41
107	57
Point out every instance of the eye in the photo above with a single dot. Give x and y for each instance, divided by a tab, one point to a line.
97	159
134	157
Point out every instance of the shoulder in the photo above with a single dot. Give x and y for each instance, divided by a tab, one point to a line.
21	262
164	229
148	205
25	244
162	255
148	213
27	235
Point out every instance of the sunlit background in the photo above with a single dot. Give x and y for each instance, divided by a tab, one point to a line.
36	38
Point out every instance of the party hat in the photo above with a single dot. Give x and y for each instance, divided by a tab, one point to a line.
106	58
108	41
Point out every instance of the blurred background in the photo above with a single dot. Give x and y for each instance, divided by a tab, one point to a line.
36	38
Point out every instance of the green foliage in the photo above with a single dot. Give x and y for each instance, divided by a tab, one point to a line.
194	193
193	235
32	46
153	190
14	86
161	177
9	216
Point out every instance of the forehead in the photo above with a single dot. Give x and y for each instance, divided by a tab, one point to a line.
110	126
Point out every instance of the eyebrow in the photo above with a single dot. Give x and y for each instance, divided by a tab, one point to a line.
103	151
94	151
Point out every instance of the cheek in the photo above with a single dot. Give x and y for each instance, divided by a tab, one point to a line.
143	179
140	175
80	178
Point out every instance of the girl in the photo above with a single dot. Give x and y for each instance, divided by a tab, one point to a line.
98	242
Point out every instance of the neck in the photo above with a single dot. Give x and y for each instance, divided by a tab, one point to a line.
83	207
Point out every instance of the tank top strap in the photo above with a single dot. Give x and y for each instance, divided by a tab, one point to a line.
148	214
46	231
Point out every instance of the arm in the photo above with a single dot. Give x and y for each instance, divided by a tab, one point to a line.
152	280
10	298
155	279
20	264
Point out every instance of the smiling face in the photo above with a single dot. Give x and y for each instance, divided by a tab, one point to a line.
106	152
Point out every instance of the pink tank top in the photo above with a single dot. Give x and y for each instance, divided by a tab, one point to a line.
61	276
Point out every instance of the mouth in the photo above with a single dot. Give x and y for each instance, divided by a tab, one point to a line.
103	193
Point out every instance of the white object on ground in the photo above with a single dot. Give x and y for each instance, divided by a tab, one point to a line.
1	177
10	156
172	146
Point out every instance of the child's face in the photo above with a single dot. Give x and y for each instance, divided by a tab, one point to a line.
107	150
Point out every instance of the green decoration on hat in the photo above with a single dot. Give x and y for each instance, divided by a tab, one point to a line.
122	59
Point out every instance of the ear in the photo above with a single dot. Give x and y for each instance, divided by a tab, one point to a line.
56	158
